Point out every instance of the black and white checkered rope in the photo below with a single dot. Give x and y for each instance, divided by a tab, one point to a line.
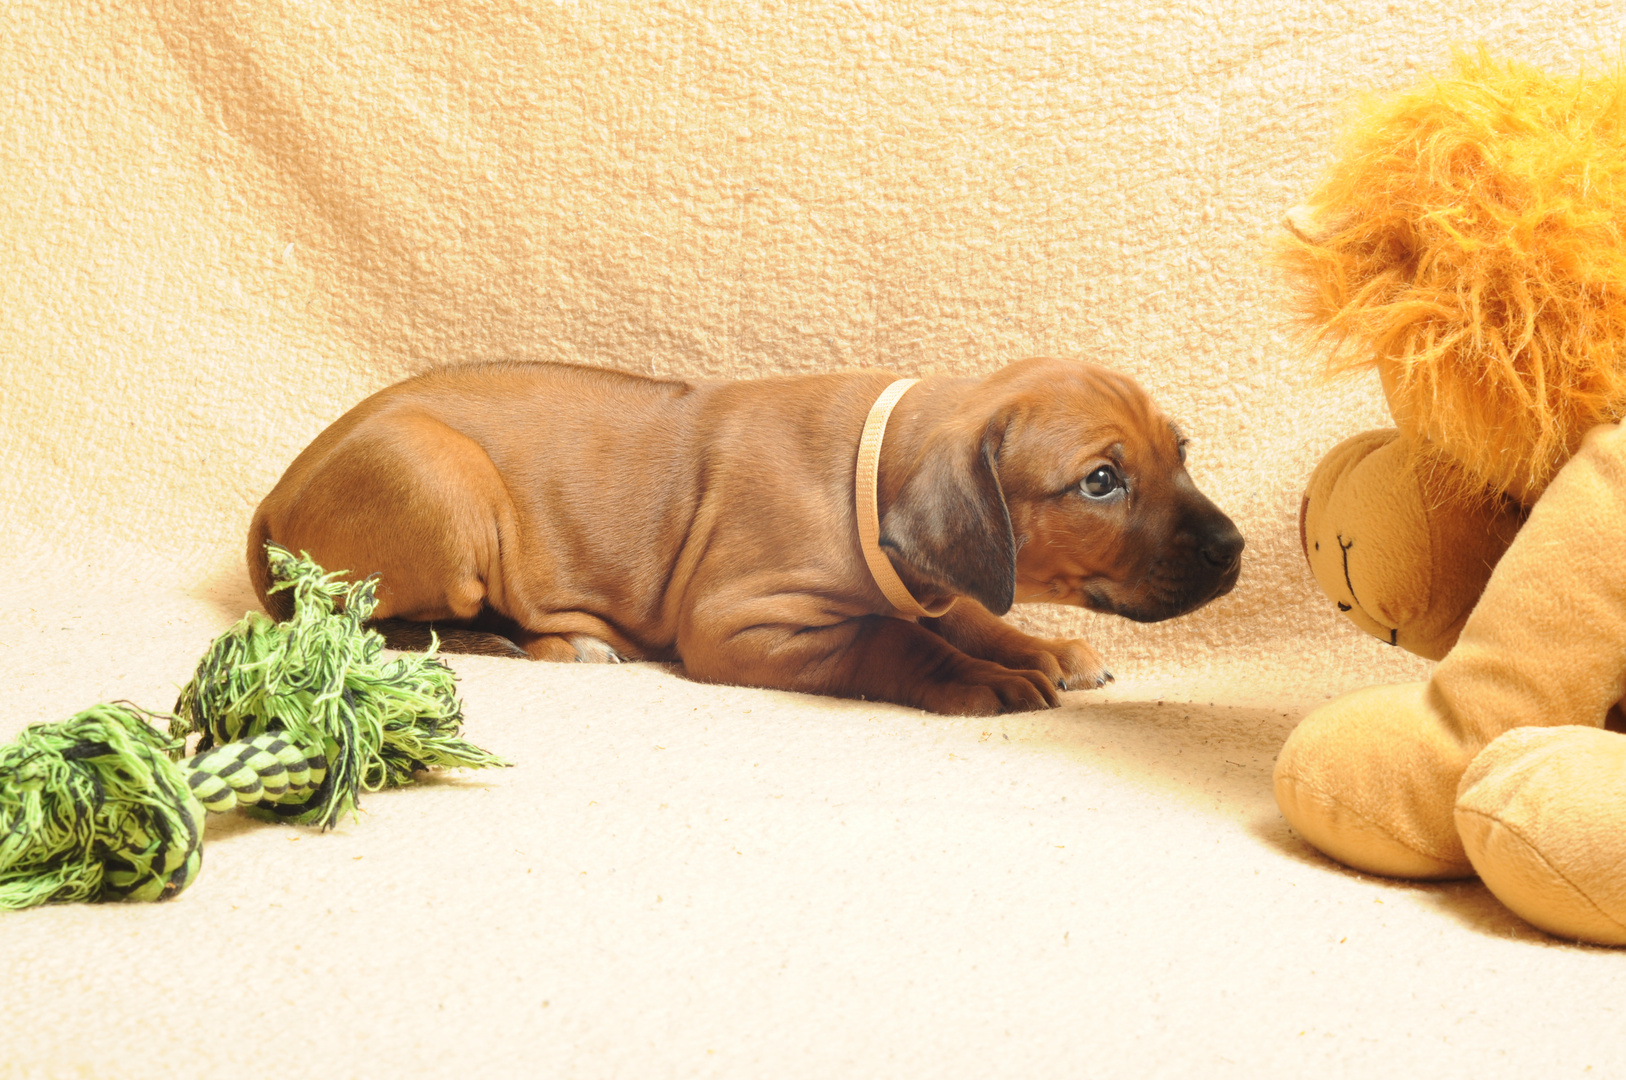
268	768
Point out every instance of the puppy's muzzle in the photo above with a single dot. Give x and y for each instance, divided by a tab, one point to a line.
1200	562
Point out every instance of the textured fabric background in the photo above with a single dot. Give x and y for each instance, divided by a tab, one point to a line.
223	222
228	222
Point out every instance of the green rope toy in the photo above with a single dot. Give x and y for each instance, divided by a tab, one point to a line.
293	720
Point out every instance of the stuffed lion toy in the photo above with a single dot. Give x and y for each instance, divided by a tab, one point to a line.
1467	245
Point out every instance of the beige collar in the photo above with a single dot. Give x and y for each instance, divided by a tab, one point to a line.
869	516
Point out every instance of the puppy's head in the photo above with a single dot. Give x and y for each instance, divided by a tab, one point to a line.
1061	482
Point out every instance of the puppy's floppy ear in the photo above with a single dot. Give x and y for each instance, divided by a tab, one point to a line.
950	524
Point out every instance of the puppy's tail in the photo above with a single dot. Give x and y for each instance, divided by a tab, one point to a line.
279	605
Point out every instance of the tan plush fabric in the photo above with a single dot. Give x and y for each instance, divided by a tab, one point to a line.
1404	560
1539	815
223	223
1372	778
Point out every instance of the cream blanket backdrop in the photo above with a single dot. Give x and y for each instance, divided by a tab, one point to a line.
222	223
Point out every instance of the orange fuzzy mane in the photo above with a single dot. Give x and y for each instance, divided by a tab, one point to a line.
1469	246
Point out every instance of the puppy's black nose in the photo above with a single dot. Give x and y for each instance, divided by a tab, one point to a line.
1223	548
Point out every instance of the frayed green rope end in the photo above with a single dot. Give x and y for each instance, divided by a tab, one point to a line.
92	808
294	719
320	679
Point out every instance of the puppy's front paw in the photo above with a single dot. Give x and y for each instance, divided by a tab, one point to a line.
1070	665
1081	666
987	689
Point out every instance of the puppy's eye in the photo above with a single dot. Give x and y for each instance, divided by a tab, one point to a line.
1101	483
1180	448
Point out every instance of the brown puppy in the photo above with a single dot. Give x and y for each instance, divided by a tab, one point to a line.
586	514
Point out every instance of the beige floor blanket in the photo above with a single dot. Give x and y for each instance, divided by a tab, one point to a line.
223	223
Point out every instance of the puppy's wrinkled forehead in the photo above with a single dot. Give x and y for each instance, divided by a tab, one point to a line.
1094	414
